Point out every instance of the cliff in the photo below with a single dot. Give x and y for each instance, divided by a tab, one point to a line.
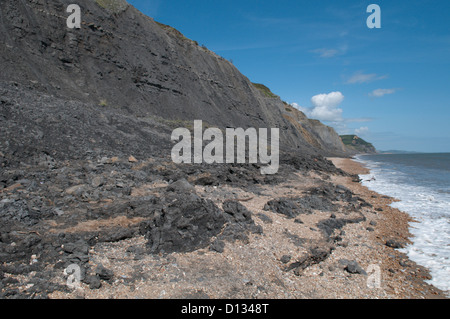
131	65
319	135
87	180
357	145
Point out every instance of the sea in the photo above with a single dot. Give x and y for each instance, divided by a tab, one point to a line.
422	184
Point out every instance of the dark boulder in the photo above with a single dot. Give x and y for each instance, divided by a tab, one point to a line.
185	224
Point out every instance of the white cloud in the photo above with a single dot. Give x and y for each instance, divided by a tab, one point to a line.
329	53
326	53
362	130
332	99
381	92
360	77
325	107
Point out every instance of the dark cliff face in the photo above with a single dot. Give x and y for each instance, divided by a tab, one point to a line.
86	118
319	135
127	63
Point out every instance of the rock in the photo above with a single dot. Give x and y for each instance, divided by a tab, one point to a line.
116	234
132	159
120	184
58	211
236	212
186	224
76	190
182	185
356	179
317	199
321	201
266	219
195	295
239	222
97	181
315	256
77	258
88	147
10	281
139	252
394	244
77	247
127	191
285	259
295	239
104	274
283	206
93	281
329	225
206	180
113	160
217	245
352	267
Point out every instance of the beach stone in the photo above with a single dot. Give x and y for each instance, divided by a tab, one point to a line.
285	259
182	186
93	281
237	212
315	256
217	246
132	159
394	244
266	219
187	223
329	225
282	206
79	246
239	222
97	181
76	190
104	274
352	267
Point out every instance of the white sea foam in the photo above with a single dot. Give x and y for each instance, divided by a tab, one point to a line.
429	207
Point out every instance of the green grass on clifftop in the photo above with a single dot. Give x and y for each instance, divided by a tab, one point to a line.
264	90
115	6
354	142
353	139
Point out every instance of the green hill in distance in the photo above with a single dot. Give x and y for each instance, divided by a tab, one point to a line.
357	144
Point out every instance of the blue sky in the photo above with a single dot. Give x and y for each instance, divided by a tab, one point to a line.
390	85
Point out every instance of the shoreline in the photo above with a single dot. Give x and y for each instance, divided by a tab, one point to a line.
403	277
258	266
316	234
